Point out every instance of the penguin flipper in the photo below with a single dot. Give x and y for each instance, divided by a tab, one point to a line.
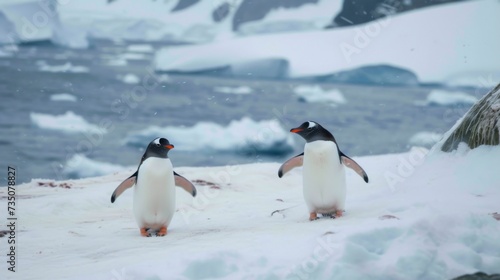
127	183
290	164
349	162
185	184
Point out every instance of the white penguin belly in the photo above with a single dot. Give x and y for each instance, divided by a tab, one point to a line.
154	197
324	183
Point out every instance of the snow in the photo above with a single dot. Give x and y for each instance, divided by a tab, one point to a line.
140	48
425	138
67	67
311	16
422	216
314	93
63	97
325	52
148	21
80	166
449	98
245	135
68	122
155	21
234	90
131	79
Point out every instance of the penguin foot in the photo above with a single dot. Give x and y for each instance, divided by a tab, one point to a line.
313	216
144	232
162	231
339	213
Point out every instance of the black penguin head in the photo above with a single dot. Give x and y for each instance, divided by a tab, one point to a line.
312	131
158	148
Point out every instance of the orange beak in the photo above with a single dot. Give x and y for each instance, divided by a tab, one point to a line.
169	146
295	130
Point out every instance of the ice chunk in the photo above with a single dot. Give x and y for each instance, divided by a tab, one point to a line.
68	122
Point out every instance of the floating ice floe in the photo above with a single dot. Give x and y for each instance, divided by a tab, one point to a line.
63	97
315	93
68	122
240	136
449	98
80	166
133	56
131	79
140	48
425	139
116	62
234	90
64	68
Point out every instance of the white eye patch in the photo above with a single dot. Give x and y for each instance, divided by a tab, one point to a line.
157	141
311	124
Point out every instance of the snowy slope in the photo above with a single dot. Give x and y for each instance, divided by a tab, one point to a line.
416	219
442	49
155	20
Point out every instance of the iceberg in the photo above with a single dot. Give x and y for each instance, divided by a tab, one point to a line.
399	41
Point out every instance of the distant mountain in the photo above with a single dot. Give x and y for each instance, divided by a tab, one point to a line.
361	11
353	11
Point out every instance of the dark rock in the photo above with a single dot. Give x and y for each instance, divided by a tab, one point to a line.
183	4
479	125
360	11
478	276
221	12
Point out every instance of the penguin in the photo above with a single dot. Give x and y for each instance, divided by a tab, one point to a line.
324	183
154	195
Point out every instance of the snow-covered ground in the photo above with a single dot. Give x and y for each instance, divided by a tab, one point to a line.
422	35
420	217
425	139
237	136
